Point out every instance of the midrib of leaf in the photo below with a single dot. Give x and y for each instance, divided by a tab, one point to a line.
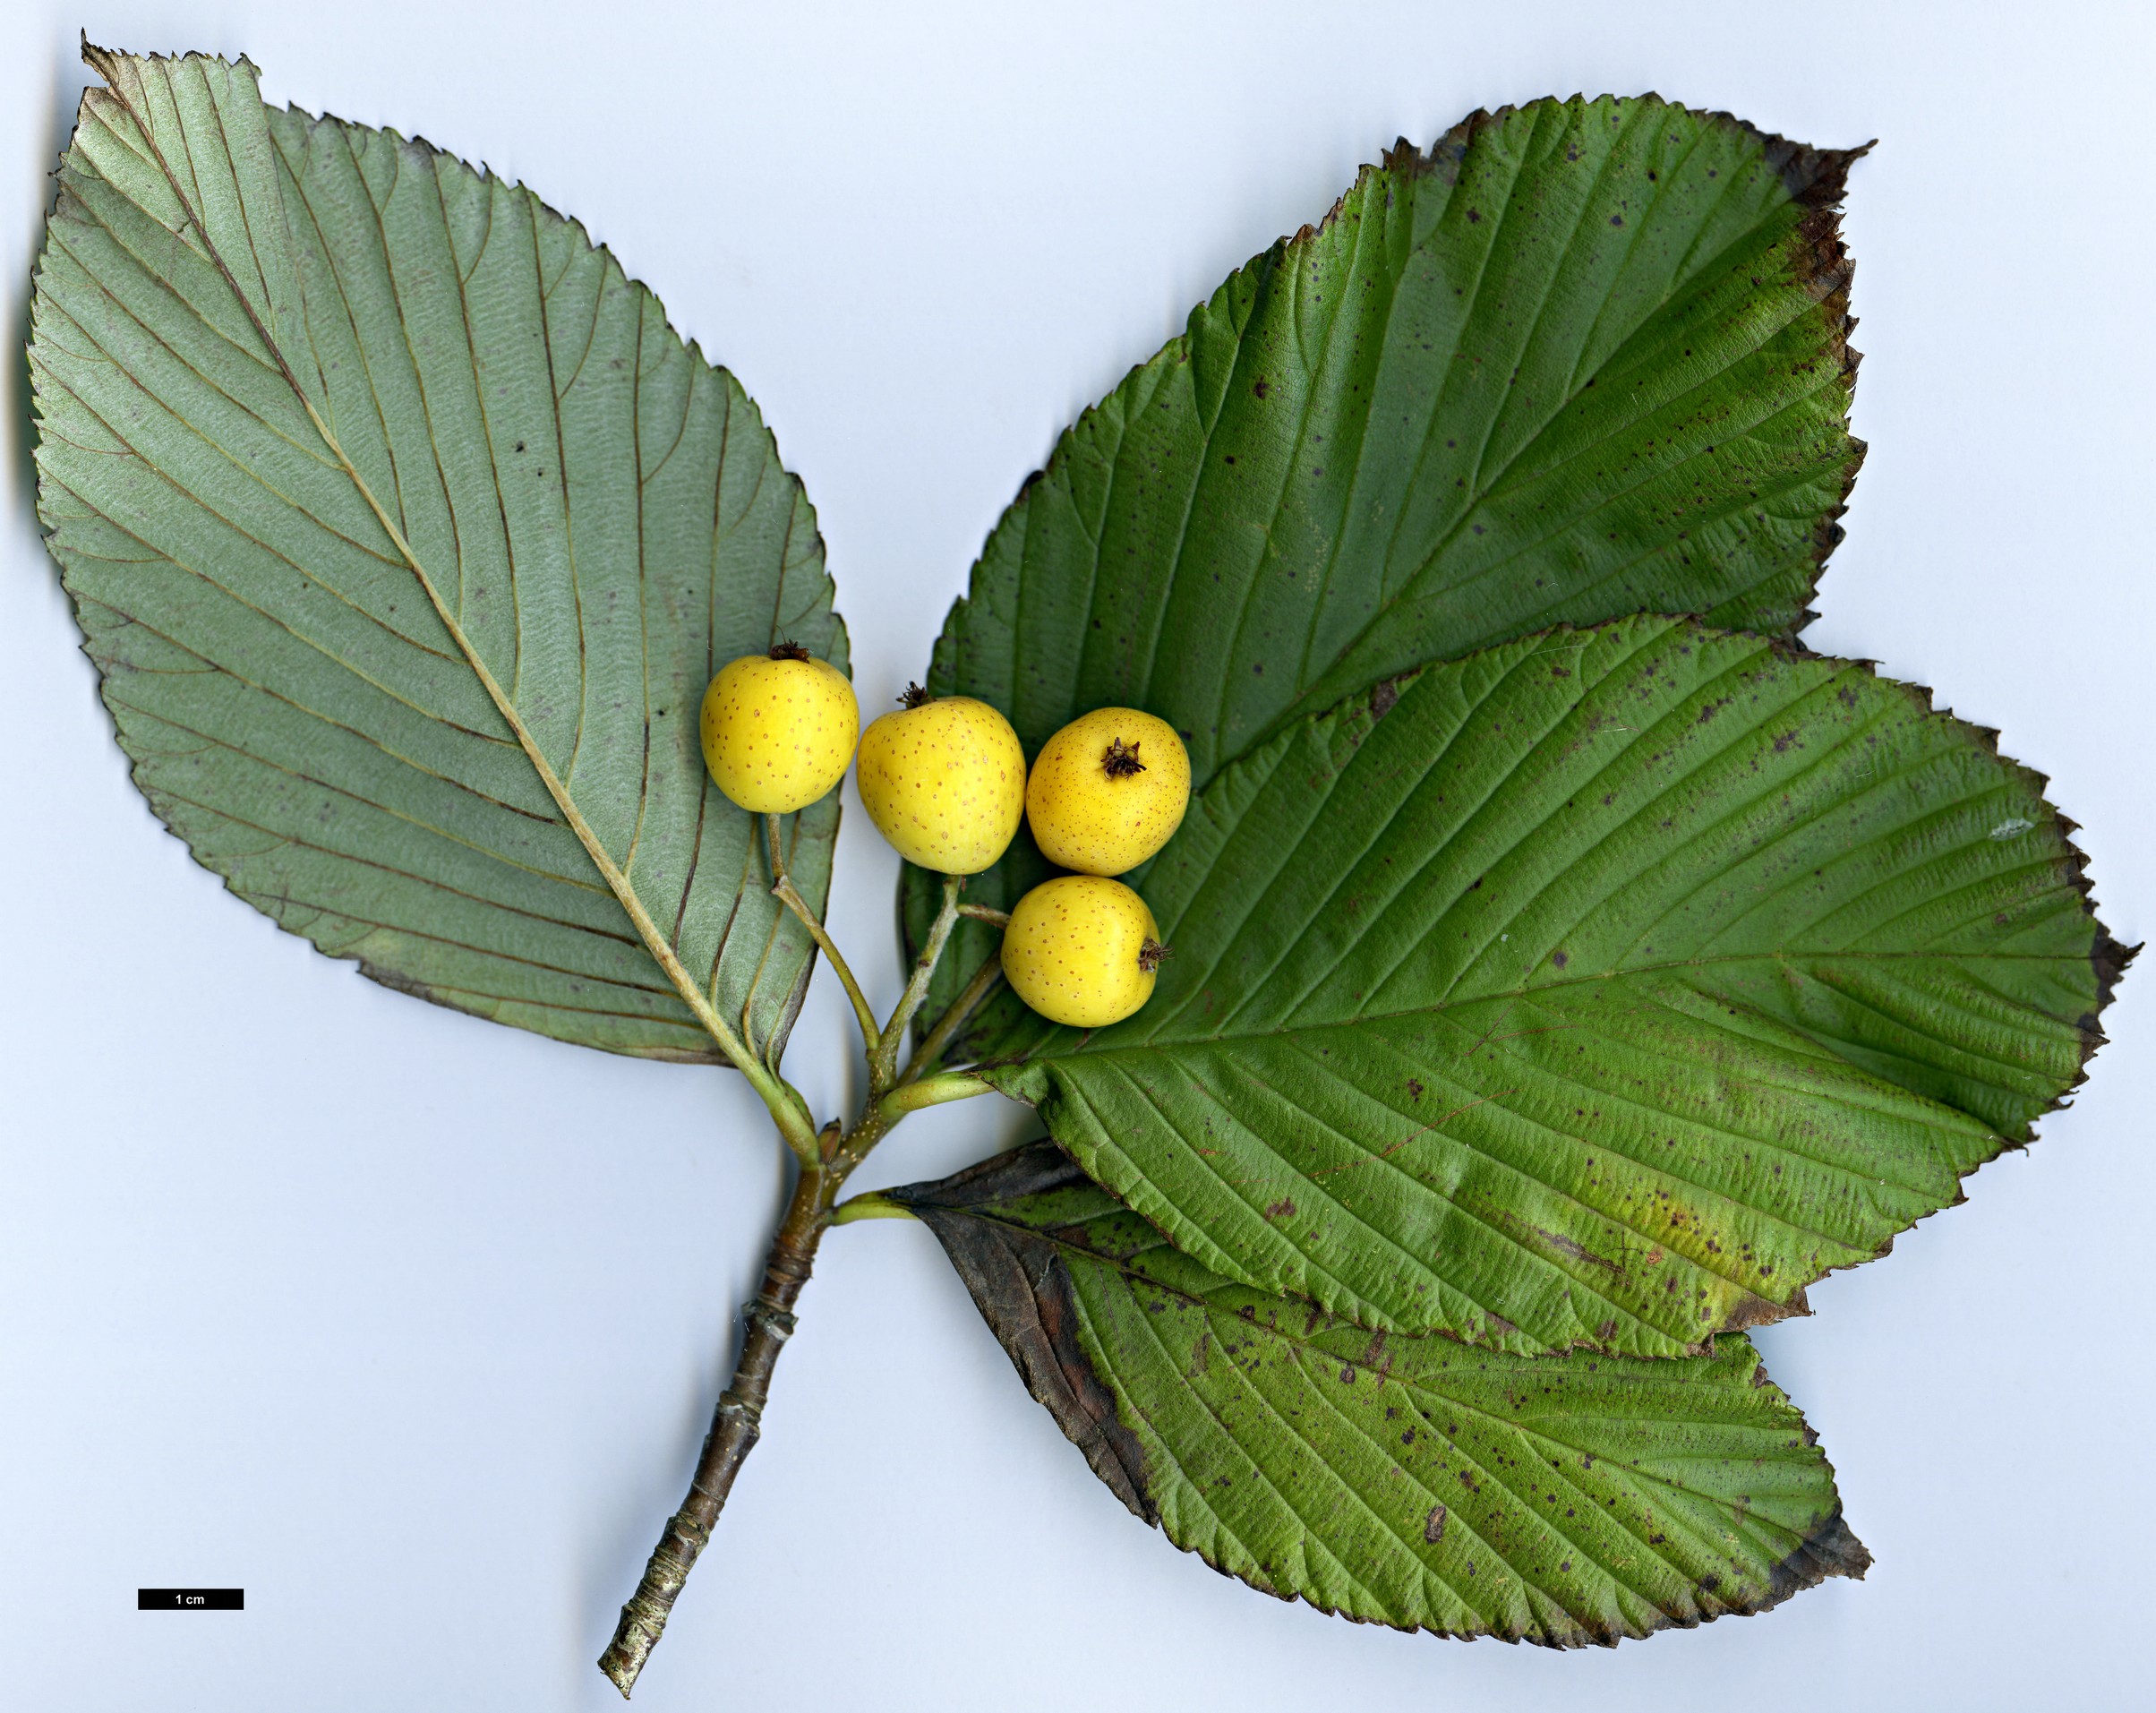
1730	506
1698	1187
1339	314
1374	1236
1785	956
1477	488
1293	1035
1361	1432
1701	760
1290	1432
655	943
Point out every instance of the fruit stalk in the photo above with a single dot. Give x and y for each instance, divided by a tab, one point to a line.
883	1060
784	890
930	1051
767	1323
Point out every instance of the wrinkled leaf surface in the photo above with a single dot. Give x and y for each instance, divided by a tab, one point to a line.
405	534
1582	358
1605	987
1409	1481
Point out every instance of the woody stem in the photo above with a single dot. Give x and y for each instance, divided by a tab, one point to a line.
767	1322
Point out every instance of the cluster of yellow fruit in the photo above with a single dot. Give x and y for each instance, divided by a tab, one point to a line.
944	779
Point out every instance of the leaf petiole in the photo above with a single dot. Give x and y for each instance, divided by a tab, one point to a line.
789	1112
870	1204
929	1090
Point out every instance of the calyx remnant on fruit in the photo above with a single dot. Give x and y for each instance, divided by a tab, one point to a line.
1121	761
1150	955
913	696
789	650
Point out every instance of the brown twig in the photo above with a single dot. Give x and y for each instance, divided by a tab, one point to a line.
767	1319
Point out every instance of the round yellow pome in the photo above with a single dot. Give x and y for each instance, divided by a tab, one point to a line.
1108	791
778	732
945	783
1077	950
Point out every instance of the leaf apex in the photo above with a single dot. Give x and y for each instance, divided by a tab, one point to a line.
1832	1549
2111	958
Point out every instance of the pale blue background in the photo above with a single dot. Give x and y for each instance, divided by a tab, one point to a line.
411	1324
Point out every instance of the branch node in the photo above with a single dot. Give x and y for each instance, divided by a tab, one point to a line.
778	1322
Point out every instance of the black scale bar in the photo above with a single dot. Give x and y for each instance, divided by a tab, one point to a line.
190	1599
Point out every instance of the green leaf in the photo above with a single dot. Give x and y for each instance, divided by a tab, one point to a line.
1582	358
1408	1481
406	535
1604	987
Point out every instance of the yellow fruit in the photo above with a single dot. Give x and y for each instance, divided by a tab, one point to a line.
779	729
1108	791
1082	950
944	780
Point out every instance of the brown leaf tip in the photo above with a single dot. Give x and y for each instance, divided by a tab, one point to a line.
1150	955
2110	960
915	697
1829	1550
788	651
1121	760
